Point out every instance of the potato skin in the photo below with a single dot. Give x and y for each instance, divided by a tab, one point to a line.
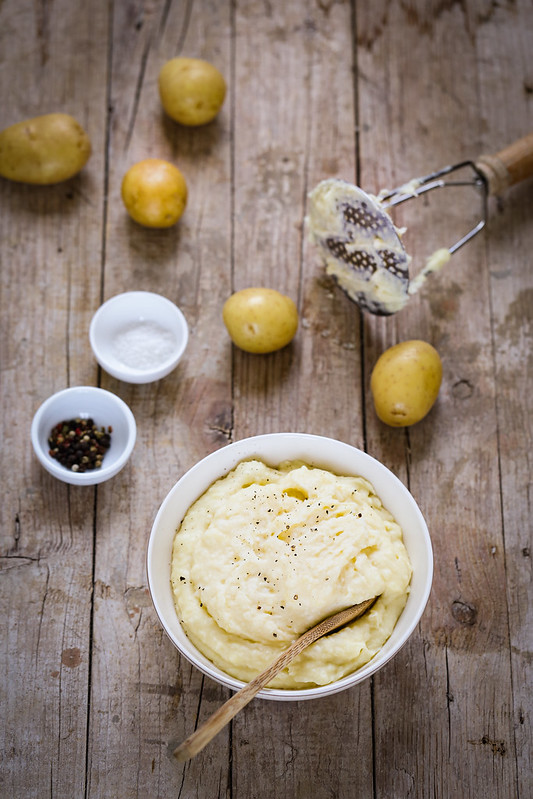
44	150
405	382
192	90
260	320
154	192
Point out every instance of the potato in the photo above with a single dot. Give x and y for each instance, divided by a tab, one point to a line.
405	382
192	90
43	150
154	193
260	320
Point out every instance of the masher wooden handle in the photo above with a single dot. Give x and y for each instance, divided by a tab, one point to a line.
511	165
196	742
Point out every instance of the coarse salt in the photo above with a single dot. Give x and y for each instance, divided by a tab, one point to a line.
144	345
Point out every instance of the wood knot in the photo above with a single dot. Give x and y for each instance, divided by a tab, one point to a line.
464	613
498	747
462	389
221	424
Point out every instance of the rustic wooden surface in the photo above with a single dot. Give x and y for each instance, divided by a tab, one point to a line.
92	692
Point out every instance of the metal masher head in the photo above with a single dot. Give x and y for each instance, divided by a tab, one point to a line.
362	247
441	179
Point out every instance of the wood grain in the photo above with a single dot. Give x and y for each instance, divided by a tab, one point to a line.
94	695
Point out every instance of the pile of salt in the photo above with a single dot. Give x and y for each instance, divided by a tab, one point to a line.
144	345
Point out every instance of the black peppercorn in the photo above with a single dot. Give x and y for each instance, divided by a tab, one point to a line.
79	445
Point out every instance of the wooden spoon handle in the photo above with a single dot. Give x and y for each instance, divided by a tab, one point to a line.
509	166
196	742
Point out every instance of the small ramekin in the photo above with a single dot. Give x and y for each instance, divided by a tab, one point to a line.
106	409
121	314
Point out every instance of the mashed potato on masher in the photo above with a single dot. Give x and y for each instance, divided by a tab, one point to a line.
267	553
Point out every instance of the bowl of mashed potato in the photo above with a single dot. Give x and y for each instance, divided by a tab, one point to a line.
264	538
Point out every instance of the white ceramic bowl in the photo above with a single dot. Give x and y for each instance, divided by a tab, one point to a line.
138	336
85	402
315	451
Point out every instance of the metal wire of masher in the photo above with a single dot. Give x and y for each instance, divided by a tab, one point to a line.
435	181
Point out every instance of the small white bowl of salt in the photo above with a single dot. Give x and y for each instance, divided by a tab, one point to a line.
138	336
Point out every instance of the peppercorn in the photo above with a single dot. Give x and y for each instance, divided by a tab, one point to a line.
79	445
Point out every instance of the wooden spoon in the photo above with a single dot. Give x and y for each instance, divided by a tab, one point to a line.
196	742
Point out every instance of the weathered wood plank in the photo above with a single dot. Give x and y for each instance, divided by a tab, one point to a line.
300	132
143	694
451	715
48	235
508	109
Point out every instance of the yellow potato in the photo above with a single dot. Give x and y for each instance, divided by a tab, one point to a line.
43	150
405	382
192	90
154	193
260	320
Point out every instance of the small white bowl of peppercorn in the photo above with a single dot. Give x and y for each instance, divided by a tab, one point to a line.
83	435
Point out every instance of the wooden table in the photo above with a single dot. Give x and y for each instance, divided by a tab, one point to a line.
92	691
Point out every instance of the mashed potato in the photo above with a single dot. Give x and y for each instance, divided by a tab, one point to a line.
267	553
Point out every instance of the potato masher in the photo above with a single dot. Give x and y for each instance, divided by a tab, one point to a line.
361	246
